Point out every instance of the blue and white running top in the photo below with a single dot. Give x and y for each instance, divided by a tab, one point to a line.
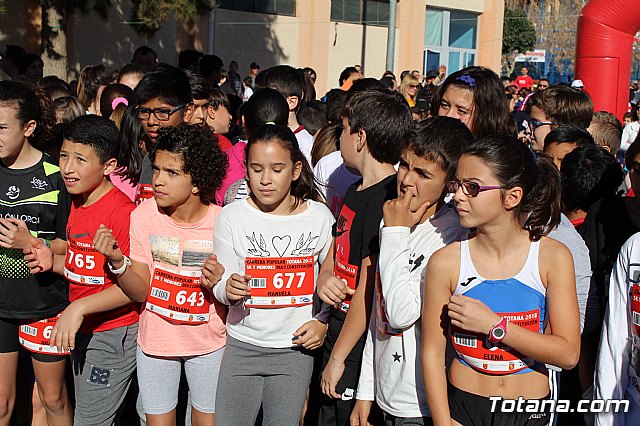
521	299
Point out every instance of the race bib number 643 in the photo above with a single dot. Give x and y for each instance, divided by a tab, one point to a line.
178	296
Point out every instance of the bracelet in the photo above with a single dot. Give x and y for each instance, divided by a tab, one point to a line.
126	262
46	242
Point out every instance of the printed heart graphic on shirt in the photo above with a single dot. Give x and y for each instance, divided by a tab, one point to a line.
281	244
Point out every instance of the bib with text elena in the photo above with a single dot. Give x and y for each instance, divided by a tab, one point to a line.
495	358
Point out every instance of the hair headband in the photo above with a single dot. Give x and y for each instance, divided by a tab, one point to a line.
119	100
467	79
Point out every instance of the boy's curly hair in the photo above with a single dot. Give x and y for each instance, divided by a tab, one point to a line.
202	157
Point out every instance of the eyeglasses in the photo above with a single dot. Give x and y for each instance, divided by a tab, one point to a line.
162	114
413	86
470	189
533	124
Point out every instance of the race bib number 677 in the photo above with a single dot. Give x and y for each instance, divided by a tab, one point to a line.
278	282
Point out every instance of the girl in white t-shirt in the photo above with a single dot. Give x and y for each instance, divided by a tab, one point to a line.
171	234
270	245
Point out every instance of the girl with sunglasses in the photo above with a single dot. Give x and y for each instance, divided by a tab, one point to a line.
506	291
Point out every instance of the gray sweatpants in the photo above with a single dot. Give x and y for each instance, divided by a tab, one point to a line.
252	375
103	365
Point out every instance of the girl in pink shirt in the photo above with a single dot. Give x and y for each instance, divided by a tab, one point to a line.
171	237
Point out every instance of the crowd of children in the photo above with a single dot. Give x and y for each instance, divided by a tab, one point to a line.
293	261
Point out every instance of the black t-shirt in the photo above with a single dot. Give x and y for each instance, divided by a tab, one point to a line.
362	226
38	197
605	229
356	232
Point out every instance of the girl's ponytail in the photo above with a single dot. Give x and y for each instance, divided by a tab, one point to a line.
47	125
543	202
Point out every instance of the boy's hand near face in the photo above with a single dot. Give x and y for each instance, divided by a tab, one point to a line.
398	213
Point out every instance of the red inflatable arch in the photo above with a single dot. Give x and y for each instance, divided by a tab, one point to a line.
603	51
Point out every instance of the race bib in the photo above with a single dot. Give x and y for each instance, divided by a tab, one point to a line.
382	322
34	336
495	358
280	282
144	192
634	272
178	296
342	268
347	273
83	264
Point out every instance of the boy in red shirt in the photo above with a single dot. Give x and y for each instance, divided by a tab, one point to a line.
100	324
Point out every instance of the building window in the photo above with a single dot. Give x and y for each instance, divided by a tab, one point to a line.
367	12
273	7
450	38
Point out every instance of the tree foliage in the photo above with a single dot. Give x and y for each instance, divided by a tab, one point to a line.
3	9
150	14
55	15
519	33
555	23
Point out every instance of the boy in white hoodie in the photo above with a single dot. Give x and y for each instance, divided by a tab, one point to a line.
415	225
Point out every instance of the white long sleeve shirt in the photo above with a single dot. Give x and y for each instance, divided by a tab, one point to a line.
242	232
391	366
616	374
629	134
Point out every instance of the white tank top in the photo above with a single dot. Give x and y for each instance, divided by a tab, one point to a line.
521	299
